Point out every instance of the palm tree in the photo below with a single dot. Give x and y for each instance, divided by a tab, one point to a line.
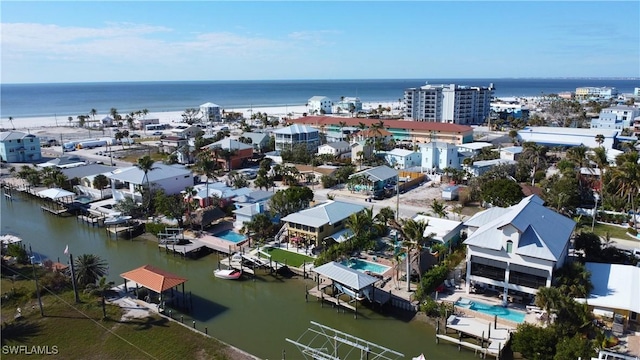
100	181
93	113
11	121
207	163
145	164
548	298
600	139
626	178
578	156
535	155
341	125
89	269
438	208
412	232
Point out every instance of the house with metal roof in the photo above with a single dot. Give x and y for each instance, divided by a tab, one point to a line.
210	112
287	138
511	153
16	146
171	178
319	223
259	141
480	167
615	292
376	178
439	155
569	137
336	148
516	249
440	230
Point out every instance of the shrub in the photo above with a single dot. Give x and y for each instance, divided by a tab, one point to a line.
328	181
55	282
632	231
154	228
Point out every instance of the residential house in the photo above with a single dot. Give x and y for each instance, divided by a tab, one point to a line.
401	130
287	138
205	193
375	179
238	153
173	179
616	118
438	155
338	149
316	171
63	162
511	153
473	148
107	121
186	131
351	105
480	167
259	141
210	112
516	250
319	105
249	205
443	231
360	152
615	293
171	144
316	224
142	123
16	146
402	158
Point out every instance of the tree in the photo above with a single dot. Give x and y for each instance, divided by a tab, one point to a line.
626	178
534	155
600	139
260	226
574	280
171	206
293	199
412	233
100	181
438	208
89	269
501	192
562	193
145	164
576	347
589	243
534	342
207	164
13	126
190	116
549	299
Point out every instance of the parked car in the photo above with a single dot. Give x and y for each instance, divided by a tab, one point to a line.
157	133
135	136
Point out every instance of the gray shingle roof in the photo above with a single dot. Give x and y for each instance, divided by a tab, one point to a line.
329	212
544	233
14	135
378	173
296	129
344	275
136	176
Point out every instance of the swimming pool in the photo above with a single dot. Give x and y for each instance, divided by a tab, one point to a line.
363	266
231	236
501	312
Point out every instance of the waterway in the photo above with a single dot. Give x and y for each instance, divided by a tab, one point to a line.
256	316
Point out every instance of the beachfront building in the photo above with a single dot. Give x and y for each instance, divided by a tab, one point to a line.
401	131
439	155
567	137
351	105
230	154
589	92
259	141
141	124
319	105
615	294
505	110
319	223
616	118
338	149
210	112
130	180
402	159
287	138
515	250
448	103
16	146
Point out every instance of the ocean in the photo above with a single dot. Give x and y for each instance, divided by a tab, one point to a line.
72	99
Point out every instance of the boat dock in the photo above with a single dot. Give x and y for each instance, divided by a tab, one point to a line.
485	332
319	293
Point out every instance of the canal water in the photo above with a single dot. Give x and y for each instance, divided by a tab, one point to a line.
256	316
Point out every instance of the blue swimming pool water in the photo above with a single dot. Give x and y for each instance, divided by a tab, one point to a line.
231	235
363	265
502	312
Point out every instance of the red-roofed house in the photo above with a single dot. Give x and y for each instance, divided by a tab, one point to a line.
402	130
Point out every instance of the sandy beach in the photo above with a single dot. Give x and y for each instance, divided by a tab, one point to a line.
169	117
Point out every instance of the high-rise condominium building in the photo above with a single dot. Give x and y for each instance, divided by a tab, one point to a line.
448	103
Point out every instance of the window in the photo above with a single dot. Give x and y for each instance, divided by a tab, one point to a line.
509	246
321	229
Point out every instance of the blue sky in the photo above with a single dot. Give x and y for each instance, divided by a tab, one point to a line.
82	41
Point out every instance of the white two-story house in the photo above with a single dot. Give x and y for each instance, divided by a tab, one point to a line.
402	158
515	250
319	105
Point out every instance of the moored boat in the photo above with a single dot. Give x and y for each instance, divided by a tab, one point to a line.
229	274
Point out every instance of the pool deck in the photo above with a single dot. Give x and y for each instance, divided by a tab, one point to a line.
530	316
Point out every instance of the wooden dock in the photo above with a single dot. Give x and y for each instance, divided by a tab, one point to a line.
323	297
486	332
183	249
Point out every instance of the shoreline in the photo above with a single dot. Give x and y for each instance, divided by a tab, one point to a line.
167	117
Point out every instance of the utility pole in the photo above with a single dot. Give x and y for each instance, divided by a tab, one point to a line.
35	276
73	279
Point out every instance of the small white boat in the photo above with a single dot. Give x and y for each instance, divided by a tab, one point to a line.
114	220
229	274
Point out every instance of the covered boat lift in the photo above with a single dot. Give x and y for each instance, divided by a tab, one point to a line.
156	280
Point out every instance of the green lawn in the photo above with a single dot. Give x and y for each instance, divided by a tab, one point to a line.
79	332
288	257
614	231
